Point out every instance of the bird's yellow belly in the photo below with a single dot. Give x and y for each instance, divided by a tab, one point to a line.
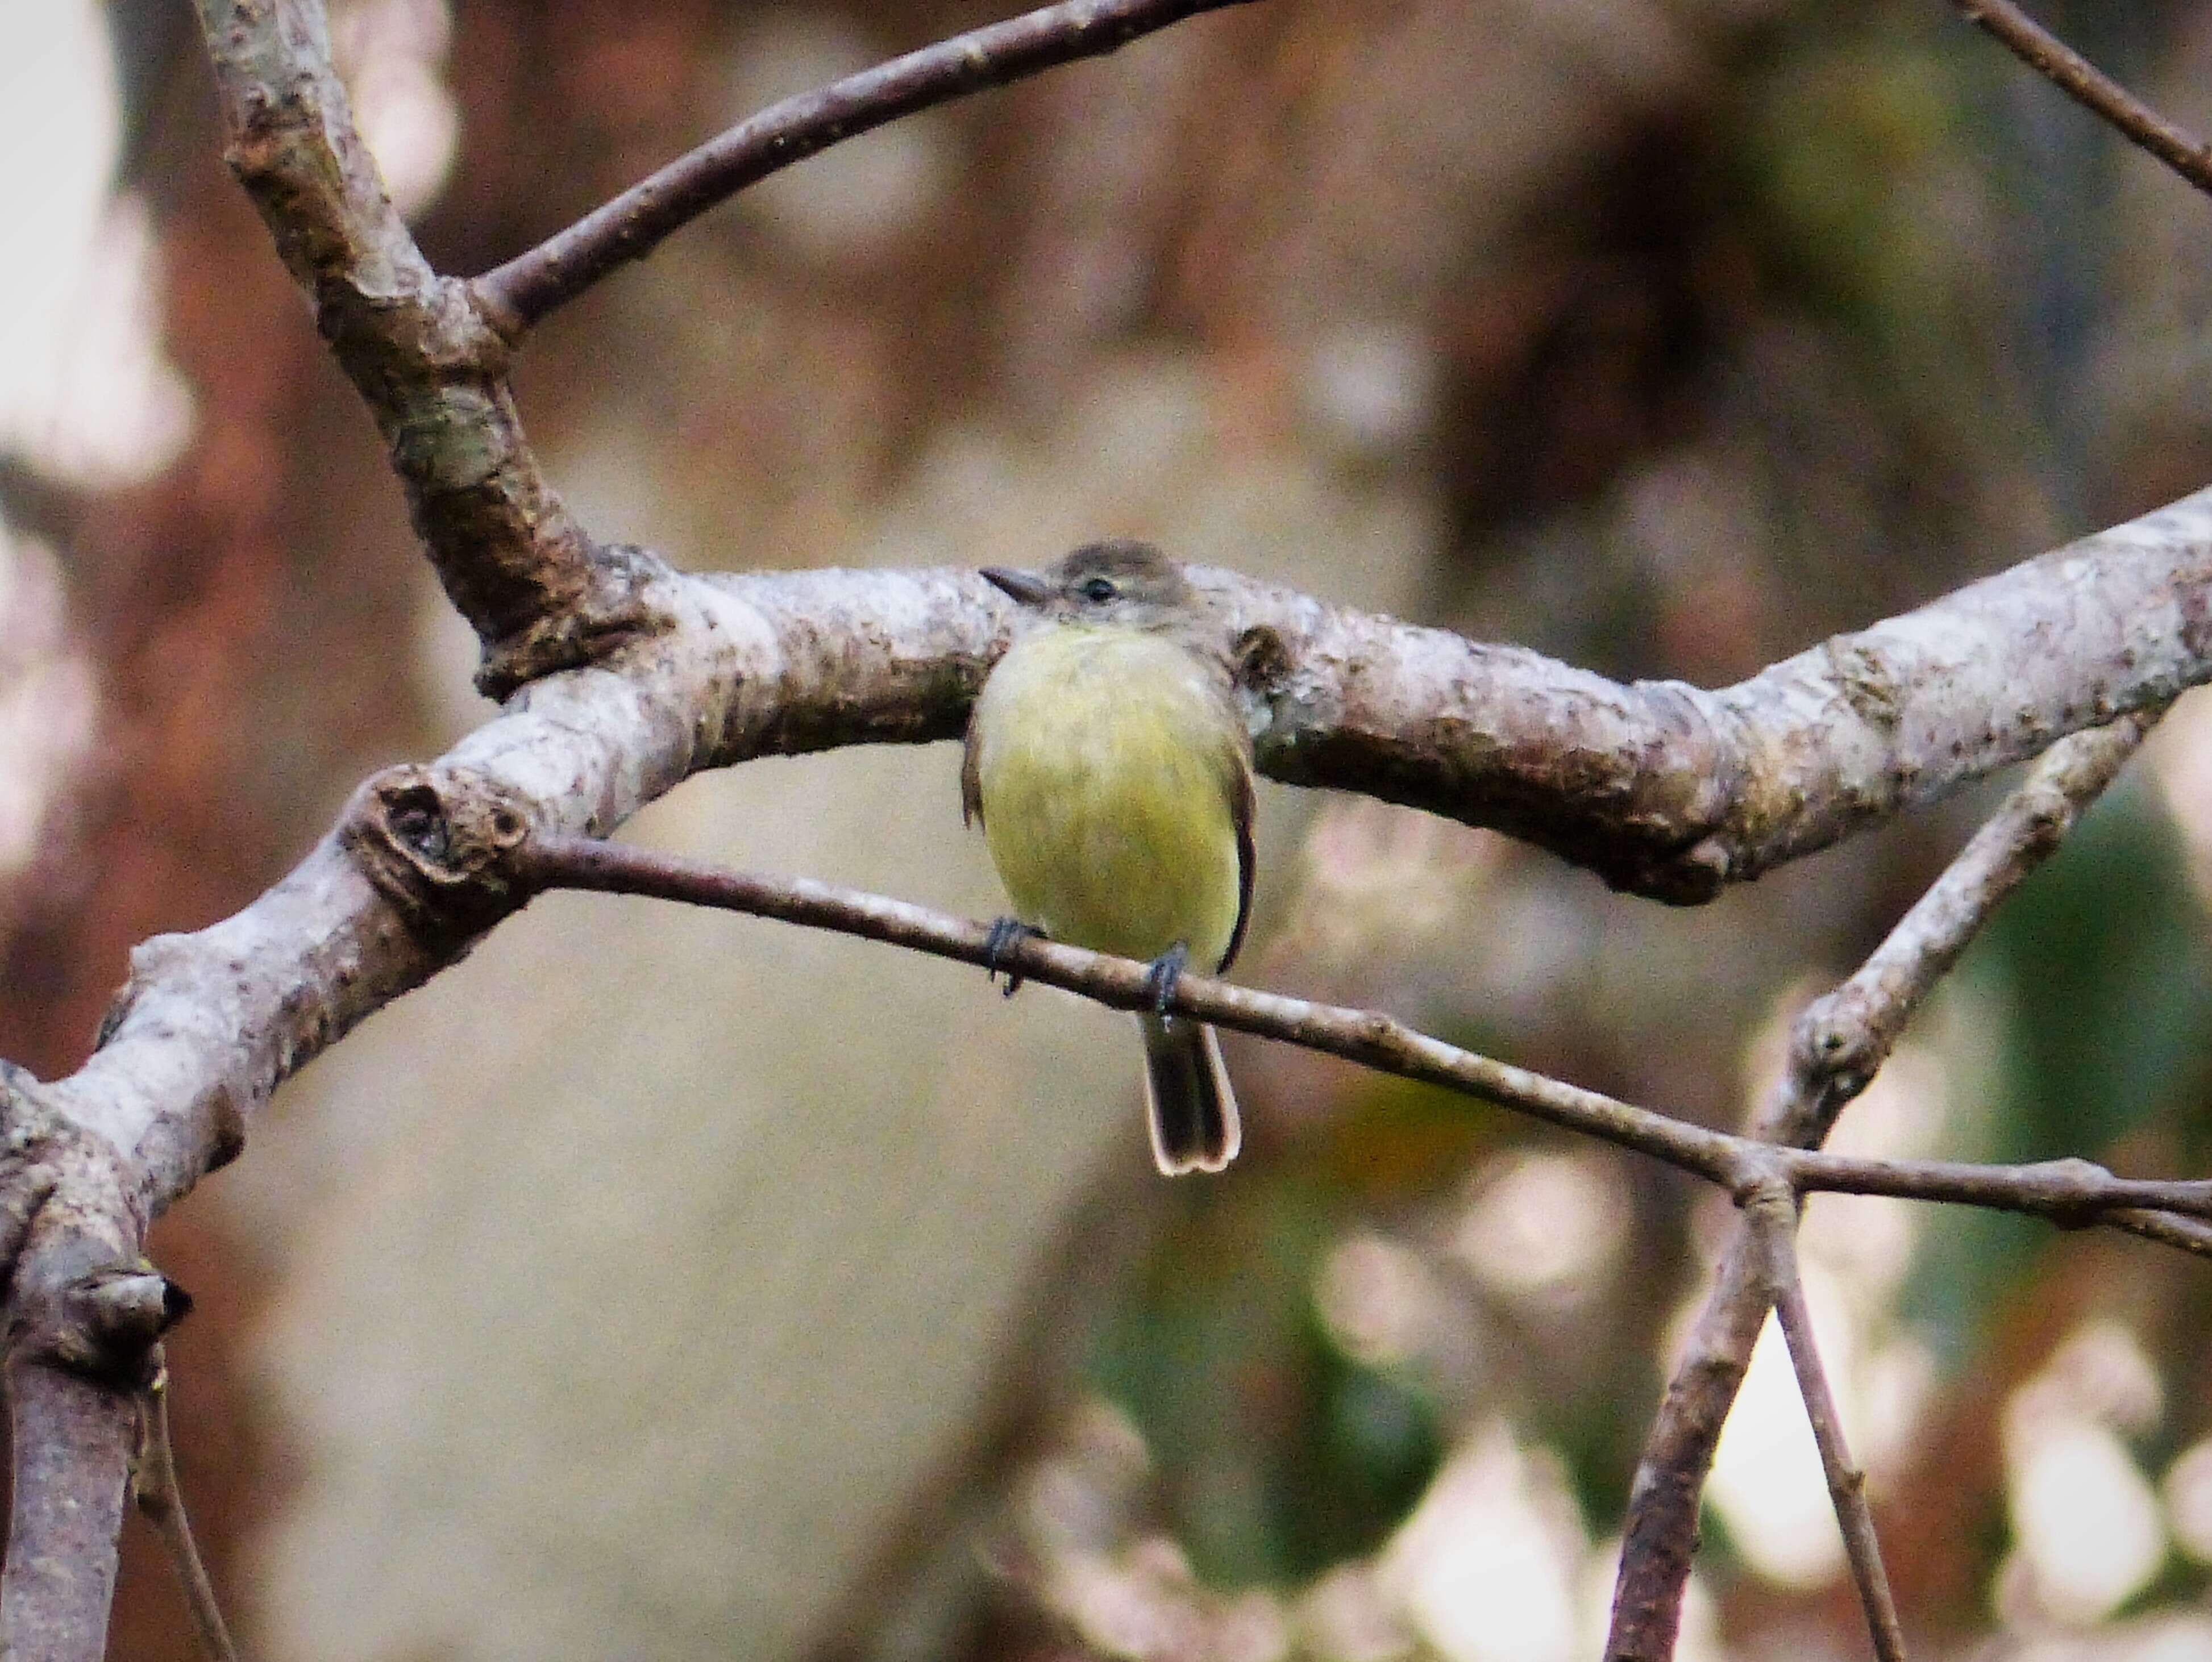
1104	802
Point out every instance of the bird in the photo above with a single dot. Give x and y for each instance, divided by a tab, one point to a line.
1111	769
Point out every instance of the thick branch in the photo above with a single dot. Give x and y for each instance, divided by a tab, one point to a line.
1835	1046
431	371
83	1318
1661	788
519	292
1672	793
72	1442
2090	86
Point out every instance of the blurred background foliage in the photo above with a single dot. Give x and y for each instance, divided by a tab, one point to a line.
695	1292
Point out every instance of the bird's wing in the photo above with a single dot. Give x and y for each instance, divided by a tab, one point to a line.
971	781
1241	814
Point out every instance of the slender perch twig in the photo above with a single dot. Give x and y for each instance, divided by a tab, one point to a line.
521	292
2069	1192
2089	86
1836	1047
1772	1221
154	1487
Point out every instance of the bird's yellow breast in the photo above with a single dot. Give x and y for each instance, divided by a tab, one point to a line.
1107	763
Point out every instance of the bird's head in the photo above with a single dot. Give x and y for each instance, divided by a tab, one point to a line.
1119	581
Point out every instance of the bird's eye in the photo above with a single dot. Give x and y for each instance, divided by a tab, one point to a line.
1098	590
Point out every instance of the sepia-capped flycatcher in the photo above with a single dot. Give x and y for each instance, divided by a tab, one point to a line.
1111	769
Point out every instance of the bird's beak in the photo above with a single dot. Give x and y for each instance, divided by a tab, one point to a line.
1025	586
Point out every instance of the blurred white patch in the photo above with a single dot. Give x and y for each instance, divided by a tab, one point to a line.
445	656
1348	1615
2166	1638
48	700
1136	1603
2099	1372
85	394
2189	1500
2163	1638
2087	1527
1895	1385
1371	393
1378	1300
392	56
1544	1226
1688	514
2179	756
1375	872
116	410
856	200
1487	1563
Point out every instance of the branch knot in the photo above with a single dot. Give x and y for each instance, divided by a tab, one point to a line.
105	1326
439	843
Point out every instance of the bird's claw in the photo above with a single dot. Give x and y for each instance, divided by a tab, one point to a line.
1161	978
1005	934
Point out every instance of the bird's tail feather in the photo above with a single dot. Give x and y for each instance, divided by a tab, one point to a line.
1187	1096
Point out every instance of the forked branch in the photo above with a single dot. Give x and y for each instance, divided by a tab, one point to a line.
524	290
1836	1047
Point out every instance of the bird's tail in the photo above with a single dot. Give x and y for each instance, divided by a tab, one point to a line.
1187	1095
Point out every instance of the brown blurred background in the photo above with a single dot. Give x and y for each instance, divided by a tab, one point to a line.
667	1286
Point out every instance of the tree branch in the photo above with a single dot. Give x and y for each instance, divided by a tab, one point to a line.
520	293
154	1489
2091	88
72	1442
431	371
1771	1219
2071	1192
1660	788
82	1325
1835	1046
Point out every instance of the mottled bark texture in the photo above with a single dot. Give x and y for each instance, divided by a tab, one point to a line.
430	367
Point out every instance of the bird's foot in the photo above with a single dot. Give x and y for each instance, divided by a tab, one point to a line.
1006	933
1161	978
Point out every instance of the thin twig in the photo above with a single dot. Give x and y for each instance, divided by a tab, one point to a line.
2186	1234
2090	86
1770	1221
1842	1040
153	1488
521	292
1836	1047
2071	1192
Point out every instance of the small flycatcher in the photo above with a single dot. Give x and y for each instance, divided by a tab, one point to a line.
1111	769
